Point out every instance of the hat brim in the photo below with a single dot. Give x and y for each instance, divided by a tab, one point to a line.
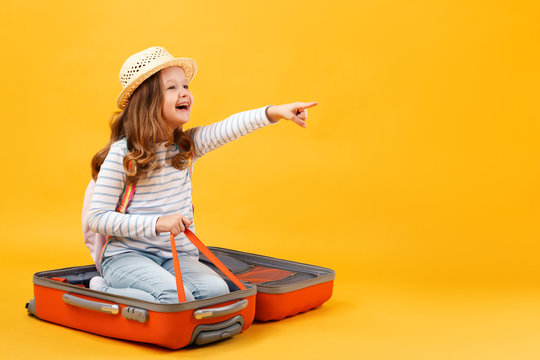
188	65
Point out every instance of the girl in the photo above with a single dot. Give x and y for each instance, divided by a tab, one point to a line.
149	148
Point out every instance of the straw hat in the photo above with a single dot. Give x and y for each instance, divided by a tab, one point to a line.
142	65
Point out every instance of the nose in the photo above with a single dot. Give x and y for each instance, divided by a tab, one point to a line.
183	93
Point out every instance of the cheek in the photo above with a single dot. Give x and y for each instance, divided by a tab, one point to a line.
168	105
163	109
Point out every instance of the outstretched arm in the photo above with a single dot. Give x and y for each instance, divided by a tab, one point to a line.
210	137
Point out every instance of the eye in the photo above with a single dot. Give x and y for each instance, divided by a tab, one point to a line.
172	87
186	87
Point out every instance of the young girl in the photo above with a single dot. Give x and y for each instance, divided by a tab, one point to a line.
149	148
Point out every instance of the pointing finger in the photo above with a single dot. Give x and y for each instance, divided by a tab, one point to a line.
302	106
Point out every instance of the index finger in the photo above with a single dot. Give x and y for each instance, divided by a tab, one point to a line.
306	105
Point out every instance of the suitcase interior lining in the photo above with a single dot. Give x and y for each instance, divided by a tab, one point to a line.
82	275
259	274
74	276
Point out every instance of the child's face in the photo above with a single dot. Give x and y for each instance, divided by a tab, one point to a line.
177	99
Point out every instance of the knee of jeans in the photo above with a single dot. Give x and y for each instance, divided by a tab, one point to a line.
216	287
189	295
171	296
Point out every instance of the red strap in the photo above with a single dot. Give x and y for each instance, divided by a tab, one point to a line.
177	272
202	248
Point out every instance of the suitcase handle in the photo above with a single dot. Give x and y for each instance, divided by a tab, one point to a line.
220	311
91	305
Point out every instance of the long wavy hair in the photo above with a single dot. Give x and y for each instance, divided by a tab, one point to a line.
144	128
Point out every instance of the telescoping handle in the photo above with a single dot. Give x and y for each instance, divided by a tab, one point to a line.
202	248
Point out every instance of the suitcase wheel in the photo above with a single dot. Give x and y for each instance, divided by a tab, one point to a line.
31	307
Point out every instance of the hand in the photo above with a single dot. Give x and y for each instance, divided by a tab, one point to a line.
175	224
296	112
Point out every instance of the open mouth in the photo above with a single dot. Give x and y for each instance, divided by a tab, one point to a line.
182	107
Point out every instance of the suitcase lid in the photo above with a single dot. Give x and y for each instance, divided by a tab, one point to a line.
271	275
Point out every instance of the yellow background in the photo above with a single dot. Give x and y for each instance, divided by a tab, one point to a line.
416	179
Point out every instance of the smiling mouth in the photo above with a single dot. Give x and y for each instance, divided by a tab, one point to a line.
182	107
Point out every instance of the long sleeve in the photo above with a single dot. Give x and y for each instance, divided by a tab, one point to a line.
210	137
102	217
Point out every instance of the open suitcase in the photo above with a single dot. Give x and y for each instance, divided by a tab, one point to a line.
274	289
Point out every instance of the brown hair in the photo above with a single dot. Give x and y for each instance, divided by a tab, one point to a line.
143	127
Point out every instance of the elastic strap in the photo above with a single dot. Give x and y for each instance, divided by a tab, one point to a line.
176	262
177	272
202	248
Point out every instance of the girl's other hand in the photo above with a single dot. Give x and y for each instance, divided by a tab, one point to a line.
296	112
174	224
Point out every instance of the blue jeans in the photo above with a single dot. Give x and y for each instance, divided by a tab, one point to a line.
151	278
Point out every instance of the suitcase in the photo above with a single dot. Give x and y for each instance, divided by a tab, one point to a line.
274	289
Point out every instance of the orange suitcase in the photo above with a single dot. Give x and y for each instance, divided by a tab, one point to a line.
275	289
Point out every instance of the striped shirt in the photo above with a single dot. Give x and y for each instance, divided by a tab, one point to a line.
164	191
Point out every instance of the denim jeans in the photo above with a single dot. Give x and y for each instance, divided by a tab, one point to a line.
151	278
